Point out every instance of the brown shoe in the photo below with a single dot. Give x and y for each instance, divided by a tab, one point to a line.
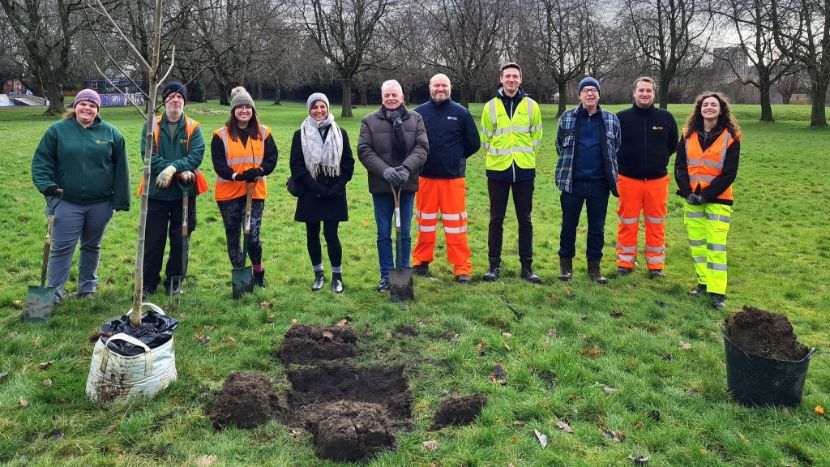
595	274
566	268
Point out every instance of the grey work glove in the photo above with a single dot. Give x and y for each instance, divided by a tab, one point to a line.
403	175
390	175
165	177
694	199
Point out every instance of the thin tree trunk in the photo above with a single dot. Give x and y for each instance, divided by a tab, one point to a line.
347	97
766	105
563	94
465	96
664	93
363	91
277	92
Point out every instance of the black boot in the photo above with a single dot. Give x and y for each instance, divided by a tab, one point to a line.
421	269
495	271
259	279
566	268
527	272
336	282
319	280
718	300
699	291
595	274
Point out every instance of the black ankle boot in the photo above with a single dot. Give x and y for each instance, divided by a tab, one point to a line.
319	280
595	273
259	279
566	268
494	272
527	273
336	282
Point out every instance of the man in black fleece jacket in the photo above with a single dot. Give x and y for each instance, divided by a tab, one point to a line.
649	138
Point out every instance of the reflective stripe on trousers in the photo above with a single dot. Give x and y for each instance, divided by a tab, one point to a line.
447	197
648	197
708	227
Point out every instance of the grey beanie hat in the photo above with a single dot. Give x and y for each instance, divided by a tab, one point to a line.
239	96
317	96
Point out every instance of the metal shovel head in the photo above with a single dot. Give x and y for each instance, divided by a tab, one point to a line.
402	286
242	280
38	304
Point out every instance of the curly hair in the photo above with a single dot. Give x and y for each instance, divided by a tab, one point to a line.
725	119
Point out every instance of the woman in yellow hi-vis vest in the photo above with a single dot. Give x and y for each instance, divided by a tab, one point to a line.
243	152
704	169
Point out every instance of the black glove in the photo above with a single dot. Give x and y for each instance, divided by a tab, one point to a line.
694	199
250	175
51	191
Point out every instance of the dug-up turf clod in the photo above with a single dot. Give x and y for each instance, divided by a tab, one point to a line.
308	344
760	332
246	400
458	411
350	431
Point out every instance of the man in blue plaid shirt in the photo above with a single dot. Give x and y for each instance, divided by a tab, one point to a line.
586	142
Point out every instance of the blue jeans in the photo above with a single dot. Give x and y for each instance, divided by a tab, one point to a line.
385	220
594	195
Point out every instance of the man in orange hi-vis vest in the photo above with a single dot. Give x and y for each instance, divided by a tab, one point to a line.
453	138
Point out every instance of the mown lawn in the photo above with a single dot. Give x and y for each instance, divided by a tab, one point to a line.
670	404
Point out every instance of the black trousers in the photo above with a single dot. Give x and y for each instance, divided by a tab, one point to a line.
164	218
315	251
523	202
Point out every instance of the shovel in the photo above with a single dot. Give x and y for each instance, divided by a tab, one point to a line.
41	300
401	278
182	284
242	278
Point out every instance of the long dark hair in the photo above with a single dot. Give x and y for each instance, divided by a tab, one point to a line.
233	125
725	119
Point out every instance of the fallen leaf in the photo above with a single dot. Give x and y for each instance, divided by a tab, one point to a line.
743	438
685	345
426	322
617	314
24	403
545	345
543	440
46	365
55	435
430	445
3	376
593	352
552	333
266	304
112	428
638	459
229	339
553	297
569	293
518	422
296	432
342	323
564	426
667	357
203	339
507	347
506	335
499	375
328	335
389	334
609	389
47	383
294	322
205	461
614	436
480	348
819	410
639	426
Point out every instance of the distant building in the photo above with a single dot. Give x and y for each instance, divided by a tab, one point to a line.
125	92
729	60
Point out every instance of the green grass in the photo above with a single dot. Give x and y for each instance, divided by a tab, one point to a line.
779	251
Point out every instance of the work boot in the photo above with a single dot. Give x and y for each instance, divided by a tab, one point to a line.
527	273
421	269
319	280
699	291
494	272
655	273
86	295
595	273
337	283
384	285
463	279
718	300
623	271
566	268
259	279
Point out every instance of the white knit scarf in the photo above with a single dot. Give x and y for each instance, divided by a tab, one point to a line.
321	156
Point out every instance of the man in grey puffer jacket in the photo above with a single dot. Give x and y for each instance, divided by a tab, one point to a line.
393	147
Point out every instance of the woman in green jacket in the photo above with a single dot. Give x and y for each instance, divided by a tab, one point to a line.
87	159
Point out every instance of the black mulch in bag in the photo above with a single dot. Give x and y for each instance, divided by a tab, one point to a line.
155	330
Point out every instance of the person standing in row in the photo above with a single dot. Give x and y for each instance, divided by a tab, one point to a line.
393	147
86	158
178	148
587	142
649	138
453	138
511	128
704	169
243	152
322	164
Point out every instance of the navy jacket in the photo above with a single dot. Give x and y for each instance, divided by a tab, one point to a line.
453	138
649	138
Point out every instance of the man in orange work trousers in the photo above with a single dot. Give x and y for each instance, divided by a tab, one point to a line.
453	138
649	138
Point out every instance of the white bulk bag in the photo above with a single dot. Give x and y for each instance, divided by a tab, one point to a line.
116	378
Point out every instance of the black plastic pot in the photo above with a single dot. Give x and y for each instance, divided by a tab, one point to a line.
756	380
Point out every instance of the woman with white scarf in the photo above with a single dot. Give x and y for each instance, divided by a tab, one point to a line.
321	165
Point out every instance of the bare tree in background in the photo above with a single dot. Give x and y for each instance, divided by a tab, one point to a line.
667	33
790	84
801	29
46	28
344	31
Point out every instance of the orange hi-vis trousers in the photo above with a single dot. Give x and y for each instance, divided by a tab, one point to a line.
446	196
648	196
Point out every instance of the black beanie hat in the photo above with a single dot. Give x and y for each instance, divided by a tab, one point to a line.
174	86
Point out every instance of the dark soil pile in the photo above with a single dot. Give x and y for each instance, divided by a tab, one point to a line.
458	411
307	344
769	335
406	330
246	400
350	431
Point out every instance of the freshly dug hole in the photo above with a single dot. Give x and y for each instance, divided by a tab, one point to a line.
246	400
769	335
350	431
458	411
307	344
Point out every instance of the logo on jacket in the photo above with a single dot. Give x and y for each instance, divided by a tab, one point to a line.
657	128
101	141
450	117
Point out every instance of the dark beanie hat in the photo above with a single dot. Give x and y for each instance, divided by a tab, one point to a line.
174	86
588	81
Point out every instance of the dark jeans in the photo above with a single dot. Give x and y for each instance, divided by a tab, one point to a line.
233	214
523	202
165	218
594	195
385	219
315	251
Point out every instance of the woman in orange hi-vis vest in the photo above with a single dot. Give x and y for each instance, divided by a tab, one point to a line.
705	168
243	152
